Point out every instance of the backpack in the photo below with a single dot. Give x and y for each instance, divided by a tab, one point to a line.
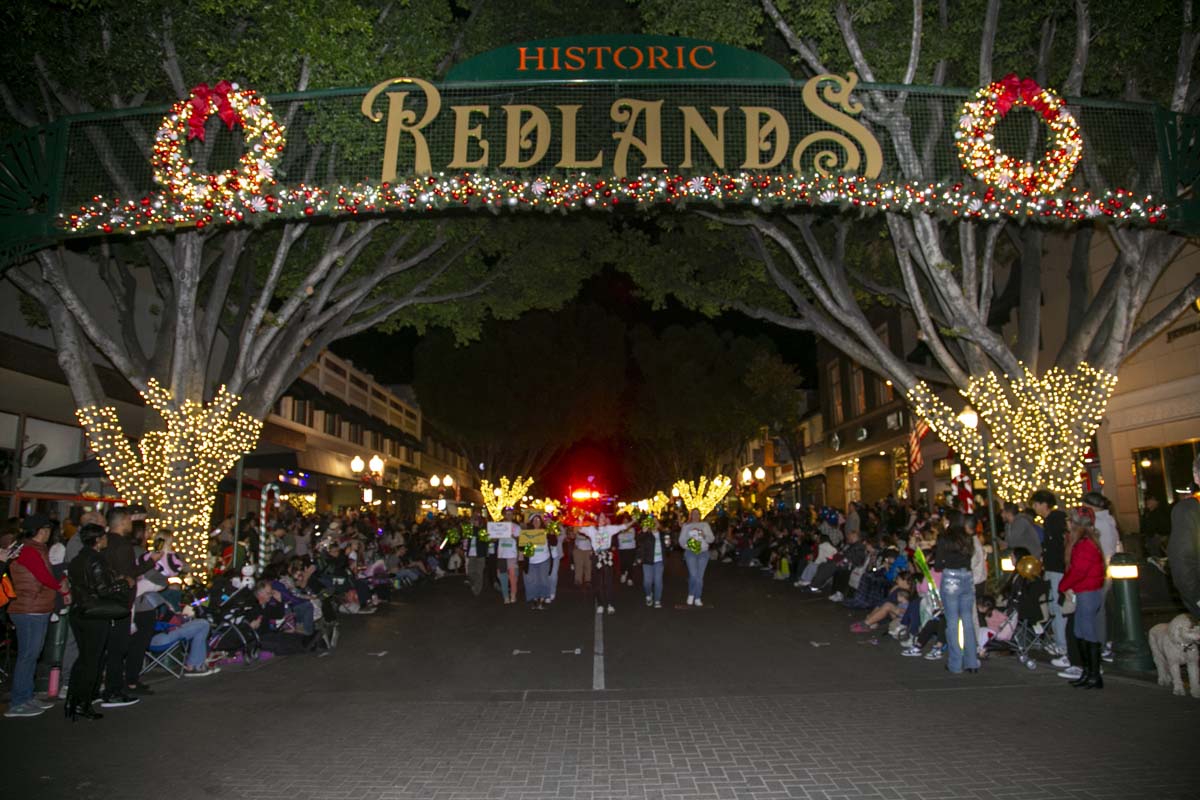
7	591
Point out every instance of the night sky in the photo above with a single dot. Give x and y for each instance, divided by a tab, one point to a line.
389	358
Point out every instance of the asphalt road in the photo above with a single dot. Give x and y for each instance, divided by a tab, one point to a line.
763	693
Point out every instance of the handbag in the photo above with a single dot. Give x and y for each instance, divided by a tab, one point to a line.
106	608
1068	605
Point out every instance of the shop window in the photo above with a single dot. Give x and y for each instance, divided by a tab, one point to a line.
900	472
853	482
302	412
858	390
835	393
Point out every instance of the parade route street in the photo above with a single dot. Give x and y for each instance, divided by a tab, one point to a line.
763	693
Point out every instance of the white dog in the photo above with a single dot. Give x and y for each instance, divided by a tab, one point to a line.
1174	644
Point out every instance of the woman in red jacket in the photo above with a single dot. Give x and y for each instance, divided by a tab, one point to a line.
1085	577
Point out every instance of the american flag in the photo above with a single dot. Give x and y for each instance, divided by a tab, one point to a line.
915	461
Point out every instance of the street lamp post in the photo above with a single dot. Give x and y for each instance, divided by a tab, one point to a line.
970	419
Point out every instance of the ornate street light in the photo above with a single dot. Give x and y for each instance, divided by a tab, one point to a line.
376	464
357	464
435	481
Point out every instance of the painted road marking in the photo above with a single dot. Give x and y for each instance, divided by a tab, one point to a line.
598	657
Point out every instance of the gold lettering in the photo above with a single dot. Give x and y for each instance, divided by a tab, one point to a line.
517	138
627	110
761	122
464	132
569	160
523	57
714	143
827	161
695	63
402	120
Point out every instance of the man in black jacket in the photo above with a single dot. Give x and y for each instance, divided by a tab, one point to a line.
1054	558
121	560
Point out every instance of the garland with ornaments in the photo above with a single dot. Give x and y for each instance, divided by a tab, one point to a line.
1015	188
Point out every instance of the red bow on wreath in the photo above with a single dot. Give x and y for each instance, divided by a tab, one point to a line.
199	102
1014	88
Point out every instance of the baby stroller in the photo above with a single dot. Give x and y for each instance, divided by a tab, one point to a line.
1027	625
231	615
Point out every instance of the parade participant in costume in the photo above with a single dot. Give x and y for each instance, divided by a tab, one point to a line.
653	546
506	557
695	537
536	565
600	537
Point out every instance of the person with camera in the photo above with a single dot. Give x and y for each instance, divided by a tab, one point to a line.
101	604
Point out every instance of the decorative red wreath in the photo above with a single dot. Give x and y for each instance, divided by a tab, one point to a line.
981	158
234	106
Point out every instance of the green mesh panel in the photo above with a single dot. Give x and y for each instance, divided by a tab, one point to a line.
330	142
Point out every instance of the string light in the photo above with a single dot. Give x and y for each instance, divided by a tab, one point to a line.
704	495
506	495
1041	427
176	469
975	135
658	503
305	504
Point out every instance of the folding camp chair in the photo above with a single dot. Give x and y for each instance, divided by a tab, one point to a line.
170	657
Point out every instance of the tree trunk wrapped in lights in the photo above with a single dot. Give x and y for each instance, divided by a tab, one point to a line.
704	495
1048	423
176	469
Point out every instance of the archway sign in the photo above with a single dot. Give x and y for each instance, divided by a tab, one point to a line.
592	123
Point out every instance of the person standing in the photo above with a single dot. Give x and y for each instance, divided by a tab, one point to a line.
653	546
695	537
1054	558
600	537
1154	526
1020	531
537	568
1085	578
506	558
581	559
627	555
121	660
36	589
555	540
476	548
99	596
952	557
1183	548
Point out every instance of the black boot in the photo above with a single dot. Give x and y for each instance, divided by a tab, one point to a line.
1097	681
1086	675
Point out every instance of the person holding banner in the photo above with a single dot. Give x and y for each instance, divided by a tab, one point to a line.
695	537
504	534
600	537
535	552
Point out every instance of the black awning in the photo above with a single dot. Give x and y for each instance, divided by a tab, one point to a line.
80	469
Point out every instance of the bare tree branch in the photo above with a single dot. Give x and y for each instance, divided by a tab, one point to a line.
22	115
987	46
456	47
1164	318
1083	37
1189	41
914	48
846	24
798	45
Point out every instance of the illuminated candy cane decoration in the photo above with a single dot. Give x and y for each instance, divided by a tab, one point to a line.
262	524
